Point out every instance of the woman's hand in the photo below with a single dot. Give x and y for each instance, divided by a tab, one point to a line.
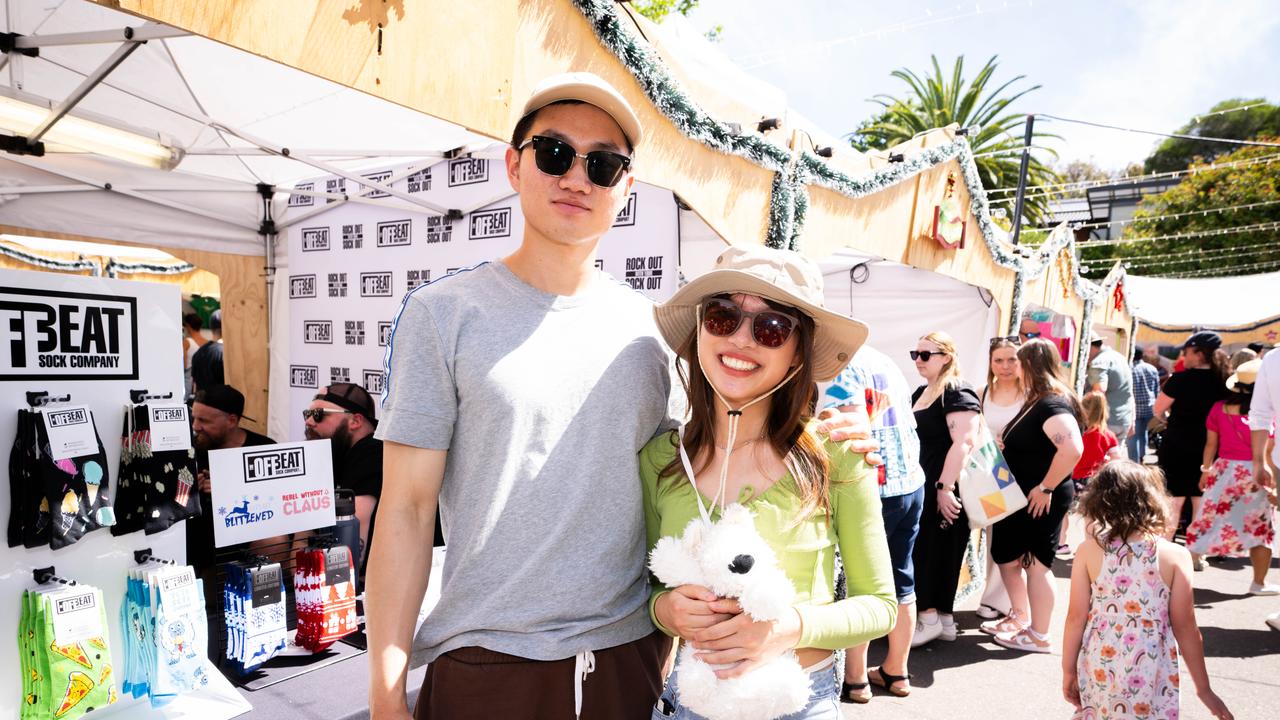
948	505
1214	704
687	609
1038	502
744	643
1206	479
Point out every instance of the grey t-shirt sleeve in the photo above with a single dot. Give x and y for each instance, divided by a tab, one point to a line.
677	400
420	406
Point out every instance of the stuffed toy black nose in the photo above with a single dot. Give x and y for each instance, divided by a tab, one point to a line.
742	564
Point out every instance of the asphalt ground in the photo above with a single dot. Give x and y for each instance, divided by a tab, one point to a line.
975	678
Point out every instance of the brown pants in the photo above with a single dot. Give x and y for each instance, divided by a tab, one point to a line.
473	683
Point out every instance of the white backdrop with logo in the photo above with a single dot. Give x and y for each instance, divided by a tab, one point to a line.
348	267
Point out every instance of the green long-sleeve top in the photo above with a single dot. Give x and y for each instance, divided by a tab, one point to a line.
805	550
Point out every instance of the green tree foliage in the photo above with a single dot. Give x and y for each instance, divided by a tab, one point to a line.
941	98
1079	171
658	10
1179	153
1254	179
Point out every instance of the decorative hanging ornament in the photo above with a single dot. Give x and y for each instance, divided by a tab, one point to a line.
1065	271
948	218
1117	296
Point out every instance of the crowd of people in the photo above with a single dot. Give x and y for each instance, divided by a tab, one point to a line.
554	491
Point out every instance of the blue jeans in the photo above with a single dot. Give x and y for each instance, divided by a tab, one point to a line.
901	516
824	700
1137	444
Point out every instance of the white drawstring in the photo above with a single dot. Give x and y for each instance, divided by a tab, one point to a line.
584	663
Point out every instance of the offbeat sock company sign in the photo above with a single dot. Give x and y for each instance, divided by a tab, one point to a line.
265	491
52	335
350	266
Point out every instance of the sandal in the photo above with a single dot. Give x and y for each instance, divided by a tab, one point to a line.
1006	625
877	676
856	693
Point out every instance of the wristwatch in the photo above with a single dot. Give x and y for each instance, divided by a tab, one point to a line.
1045	490
942	486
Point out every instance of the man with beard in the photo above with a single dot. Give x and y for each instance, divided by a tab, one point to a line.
344	413
215	420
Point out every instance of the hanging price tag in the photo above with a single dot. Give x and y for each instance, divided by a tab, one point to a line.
178	590
170	428
76	616
337	565
71	432
266	585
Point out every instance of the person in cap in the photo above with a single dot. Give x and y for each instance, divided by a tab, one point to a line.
518	395
1236	515
755	338
215	423
345	414
1110	375
1186	399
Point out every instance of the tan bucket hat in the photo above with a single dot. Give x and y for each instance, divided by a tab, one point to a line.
1246	374
782	276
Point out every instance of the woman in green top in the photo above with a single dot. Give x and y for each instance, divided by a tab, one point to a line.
755	337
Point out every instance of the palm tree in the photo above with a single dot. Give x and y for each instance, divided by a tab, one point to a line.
937	100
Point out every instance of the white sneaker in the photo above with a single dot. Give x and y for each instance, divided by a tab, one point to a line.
926	632
1274	621
949	629
986	612
1265	589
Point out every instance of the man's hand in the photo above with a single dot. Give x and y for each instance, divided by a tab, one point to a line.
202	477
748	643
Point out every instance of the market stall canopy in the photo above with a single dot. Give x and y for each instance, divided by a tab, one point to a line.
1243	308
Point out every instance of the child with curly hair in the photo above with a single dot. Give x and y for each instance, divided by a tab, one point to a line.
1131	605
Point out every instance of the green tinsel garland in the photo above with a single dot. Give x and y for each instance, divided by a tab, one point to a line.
790	198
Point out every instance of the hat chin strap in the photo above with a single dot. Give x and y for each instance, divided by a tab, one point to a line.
734	416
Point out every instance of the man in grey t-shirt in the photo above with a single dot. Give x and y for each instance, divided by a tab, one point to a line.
1110	375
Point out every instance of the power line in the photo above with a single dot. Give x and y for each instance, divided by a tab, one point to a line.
1268	265
1086	184
1250	106
1180	136
1178	215
1185	253
1257	227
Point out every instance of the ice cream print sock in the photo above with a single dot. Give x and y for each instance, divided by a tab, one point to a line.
77	487
255	609
66	660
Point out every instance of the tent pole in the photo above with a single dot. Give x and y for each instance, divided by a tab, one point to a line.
90	82
268	232
142	33
1022	181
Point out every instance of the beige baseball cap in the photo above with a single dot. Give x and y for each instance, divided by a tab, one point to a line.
588	88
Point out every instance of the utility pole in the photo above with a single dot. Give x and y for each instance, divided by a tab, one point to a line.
1022	180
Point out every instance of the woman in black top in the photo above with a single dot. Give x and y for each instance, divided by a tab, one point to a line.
946	411
1187	397
1041	445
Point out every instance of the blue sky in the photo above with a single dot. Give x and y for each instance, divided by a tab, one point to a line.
1144	64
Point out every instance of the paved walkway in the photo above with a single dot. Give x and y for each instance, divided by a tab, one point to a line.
975	678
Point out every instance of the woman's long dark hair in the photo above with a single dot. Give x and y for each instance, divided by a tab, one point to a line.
790	410
1241	396
1042	375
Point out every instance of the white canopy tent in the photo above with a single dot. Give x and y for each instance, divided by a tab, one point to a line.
1243	309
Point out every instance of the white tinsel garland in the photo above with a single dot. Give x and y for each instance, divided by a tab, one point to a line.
50	263
114	268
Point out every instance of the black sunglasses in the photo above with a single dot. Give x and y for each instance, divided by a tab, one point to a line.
924	355
769	328
1015	339
318	414
555	157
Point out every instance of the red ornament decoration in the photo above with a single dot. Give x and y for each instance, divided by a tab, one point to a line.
1117	296
948	218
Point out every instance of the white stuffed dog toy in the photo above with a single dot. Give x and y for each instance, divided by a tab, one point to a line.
731	559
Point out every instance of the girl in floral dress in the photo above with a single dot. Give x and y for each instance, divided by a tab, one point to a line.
1235	517
1131	607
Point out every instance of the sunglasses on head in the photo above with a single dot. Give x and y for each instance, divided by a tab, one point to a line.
1015	339
769	328
924	355
554	157
318	414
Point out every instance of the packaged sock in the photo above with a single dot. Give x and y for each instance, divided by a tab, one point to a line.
256	629
72	495
167	633
157	485
66	660
325	594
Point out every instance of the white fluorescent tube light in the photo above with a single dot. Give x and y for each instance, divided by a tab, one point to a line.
21	116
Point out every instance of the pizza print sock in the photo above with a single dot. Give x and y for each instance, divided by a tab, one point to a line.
64	681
